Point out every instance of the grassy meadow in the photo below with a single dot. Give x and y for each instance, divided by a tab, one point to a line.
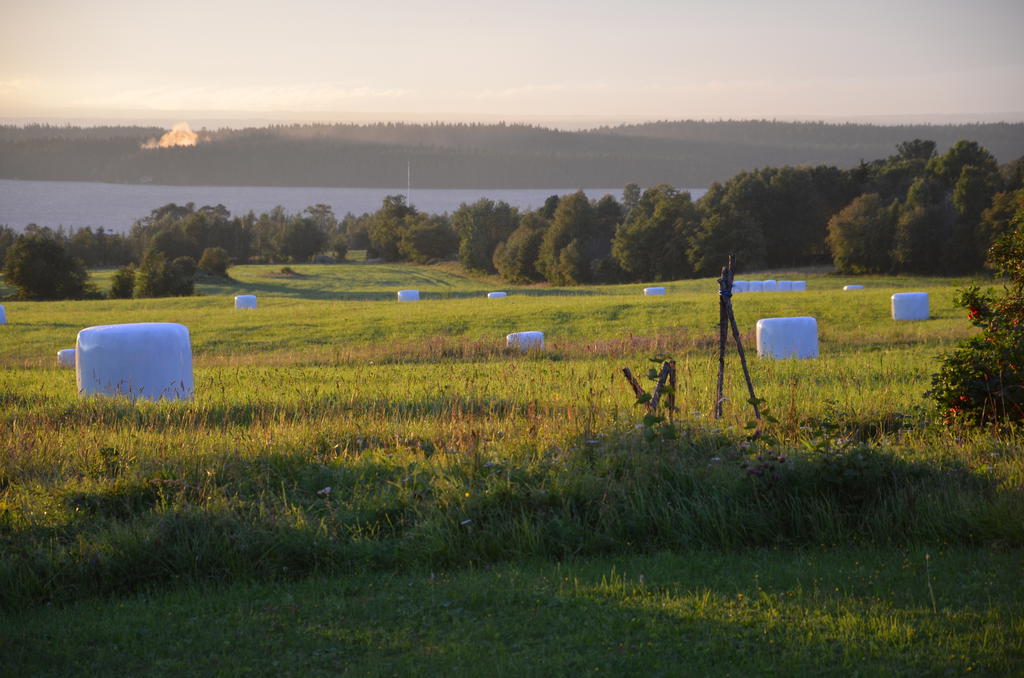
368	487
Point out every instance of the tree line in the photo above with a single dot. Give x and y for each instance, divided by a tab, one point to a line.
681	153
915	211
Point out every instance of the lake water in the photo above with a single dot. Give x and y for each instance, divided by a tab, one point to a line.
76	204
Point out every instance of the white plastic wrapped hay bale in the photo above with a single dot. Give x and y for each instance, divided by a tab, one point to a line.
769	286
408	295
740	286
847	288
138	360
798	285
525	341
910	306
784	286
66	357
787	338
653	291
3	315
755	286
245	301
497	295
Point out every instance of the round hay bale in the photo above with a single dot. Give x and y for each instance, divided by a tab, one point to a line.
784	286
408	295
769	286
740	286
138	360
245	301
755	286
3	315
496	295
798	285
525	341
787	338
652	291
66	357
847	288
910	306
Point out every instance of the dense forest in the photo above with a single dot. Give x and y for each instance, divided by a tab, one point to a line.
914	211
683	153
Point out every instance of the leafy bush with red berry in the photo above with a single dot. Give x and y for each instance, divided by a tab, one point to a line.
982	381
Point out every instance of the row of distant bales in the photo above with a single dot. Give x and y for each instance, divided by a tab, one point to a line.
154	360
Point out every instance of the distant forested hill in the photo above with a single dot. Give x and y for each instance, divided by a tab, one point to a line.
684	154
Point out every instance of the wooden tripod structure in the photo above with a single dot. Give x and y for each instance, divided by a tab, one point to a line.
727	319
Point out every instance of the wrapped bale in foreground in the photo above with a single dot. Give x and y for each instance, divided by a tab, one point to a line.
137	360
787	337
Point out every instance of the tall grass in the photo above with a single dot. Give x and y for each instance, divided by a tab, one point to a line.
331	434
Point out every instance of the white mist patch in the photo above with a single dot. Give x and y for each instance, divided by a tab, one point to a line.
180	135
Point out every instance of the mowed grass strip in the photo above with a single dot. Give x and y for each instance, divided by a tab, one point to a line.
350	313
834	612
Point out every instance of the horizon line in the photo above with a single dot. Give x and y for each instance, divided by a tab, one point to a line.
565	122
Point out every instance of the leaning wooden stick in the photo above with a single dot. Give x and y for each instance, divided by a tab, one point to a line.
743	362
637	389
662	378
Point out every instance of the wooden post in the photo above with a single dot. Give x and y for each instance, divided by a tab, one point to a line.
724	292
726	315
671	401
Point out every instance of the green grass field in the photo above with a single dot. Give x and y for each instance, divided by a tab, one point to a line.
368	487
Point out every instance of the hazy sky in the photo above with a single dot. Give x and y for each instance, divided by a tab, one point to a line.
526	59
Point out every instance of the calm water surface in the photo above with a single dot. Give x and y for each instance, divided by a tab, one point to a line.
75	204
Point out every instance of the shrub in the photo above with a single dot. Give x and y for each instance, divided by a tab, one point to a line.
214	261
982	381
157	278
340	248
122	285
38	265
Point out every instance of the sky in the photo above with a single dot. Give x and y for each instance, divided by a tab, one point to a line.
556	62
